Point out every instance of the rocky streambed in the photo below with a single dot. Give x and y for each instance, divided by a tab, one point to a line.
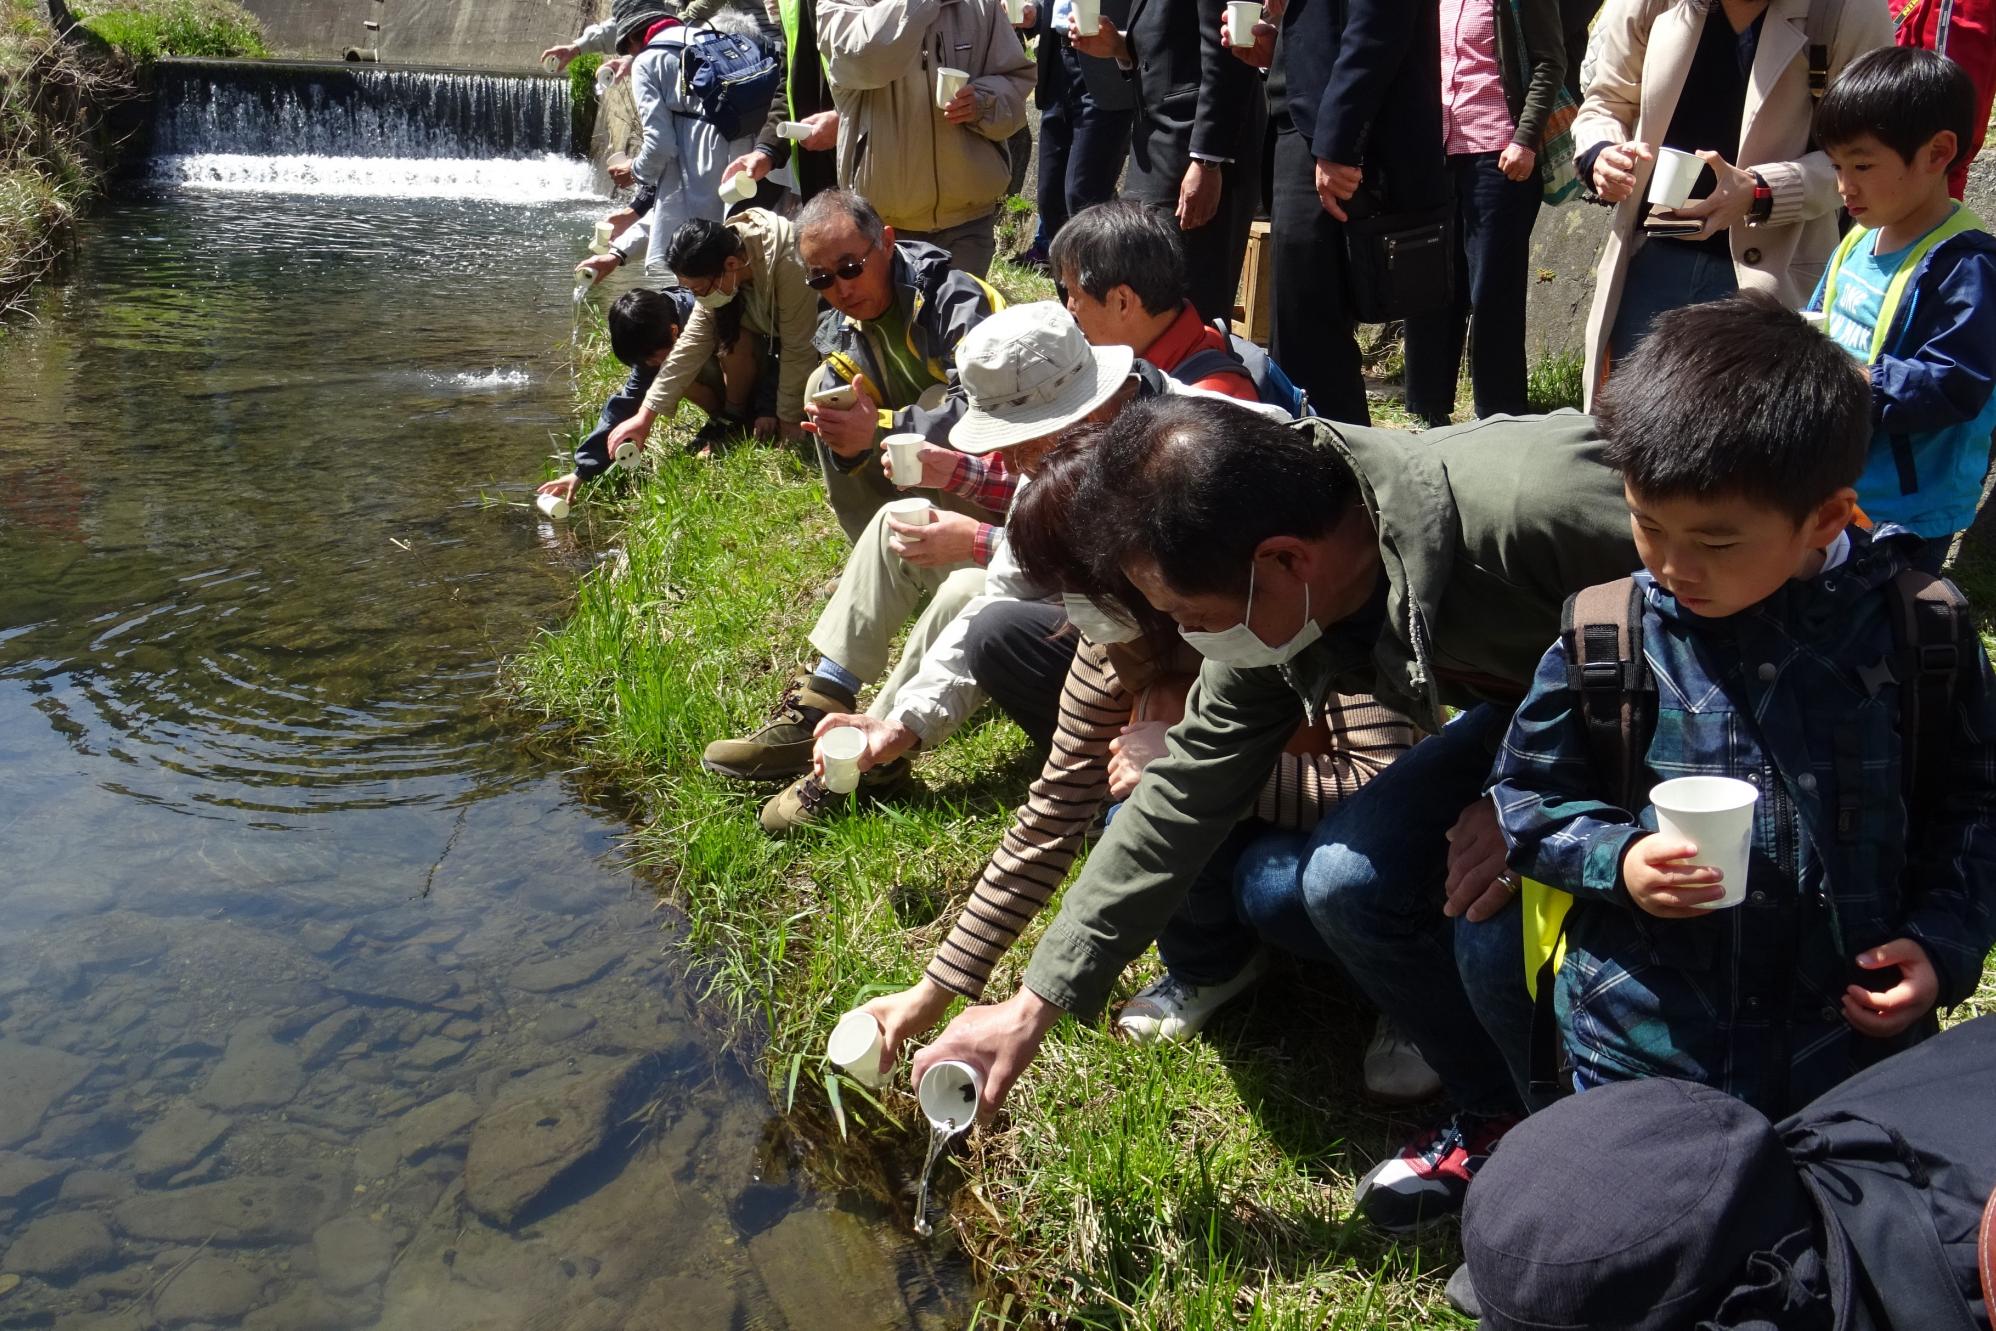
403	1123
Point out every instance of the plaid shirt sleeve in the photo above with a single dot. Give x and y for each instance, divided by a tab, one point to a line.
986	482
1543	781
1951	860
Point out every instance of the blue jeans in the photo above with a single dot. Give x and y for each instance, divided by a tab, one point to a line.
1666	275
1493	251
1370	878
1082	146
592	455
1227	916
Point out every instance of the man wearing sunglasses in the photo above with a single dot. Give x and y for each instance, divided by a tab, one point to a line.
898	312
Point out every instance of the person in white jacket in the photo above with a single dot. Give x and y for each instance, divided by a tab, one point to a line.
681	156
1030	375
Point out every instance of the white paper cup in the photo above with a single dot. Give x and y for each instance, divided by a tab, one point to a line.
793	129
840	751
604	73
949	1094
738	188
912	512
1715	814
627	455
1816	319
855	1047
1087	17
551	64
599	239
1015	12
552	506
1670	183
949	82
905	451
1242	15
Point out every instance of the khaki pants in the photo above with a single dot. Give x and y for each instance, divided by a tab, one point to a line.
877	594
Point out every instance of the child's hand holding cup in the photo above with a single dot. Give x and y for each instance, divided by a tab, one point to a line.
1697	859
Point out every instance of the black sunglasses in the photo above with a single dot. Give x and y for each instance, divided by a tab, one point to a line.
820	280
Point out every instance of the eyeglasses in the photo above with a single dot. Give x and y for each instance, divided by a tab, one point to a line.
846	270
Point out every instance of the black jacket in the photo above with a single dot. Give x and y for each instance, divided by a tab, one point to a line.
1193	95
1364	85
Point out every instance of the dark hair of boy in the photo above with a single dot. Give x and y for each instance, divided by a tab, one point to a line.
1902	96
1738	398
642	323
1196	484
1123	243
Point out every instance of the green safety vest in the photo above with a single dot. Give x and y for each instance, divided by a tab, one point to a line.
1962	219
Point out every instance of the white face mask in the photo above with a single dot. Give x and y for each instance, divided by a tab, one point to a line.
1096	624
1240	647
716	298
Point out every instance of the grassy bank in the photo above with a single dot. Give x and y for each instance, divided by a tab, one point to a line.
53	91
1189	1187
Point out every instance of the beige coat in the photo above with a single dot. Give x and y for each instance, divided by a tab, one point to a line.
921	172
776	305
1636	66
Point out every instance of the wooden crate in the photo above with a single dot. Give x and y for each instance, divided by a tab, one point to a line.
1251	313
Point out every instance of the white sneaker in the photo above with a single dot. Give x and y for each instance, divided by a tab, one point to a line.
1170	1009
1395	1072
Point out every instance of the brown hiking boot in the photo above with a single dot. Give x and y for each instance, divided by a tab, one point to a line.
781	749
805	801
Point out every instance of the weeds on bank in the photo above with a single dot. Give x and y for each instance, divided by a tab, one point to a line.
148	30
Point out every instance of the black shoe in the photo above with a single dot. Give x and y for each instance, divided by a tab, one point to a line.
1033	259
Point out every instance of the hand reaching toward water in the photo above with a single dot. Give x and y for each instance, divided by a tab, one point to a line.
907	1015
564	486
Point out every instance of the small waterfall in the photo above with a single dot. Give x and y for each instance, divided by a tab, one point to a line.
358	129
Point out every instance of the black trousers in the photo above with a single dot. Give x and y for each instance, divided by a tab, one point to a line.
1315	339
1020	652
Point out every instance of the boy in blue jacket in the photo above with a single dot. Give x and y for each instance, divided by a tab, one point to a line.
1911	291
1767	622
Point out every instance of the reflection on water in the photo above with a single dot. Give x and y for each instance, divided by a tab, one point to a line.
323	1002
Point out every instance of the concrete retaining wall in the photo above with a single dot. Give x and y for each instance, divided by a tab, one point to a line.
473	34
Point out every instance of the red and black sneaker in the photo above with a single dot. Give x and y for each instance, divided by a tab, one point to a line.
1428	1179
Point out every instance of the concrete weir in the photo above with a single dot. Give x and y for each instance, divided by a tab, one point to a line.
490	34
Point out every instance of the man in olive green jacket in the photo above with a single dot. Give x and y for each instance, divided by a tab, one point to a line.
1429	570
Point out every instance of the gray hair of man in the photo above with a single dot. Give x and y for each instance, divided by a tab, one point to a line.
831	205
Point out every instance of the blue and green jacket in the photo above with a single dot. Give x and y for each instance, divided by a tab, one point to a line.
1795	695
1933	385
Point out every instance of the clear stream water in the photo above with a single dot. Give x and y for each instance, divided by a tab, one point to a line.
325	1001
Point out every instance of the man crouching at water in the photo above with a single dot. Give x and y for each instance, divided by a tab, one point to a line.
1303	560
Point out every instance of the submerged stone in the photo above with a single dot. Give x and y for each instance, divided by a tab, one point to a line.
352	1253
255	1072
414	1135
61	1247
238	1210
171	1145
210	1289
35	1079
22	1176
524	1146
812	1261
564	970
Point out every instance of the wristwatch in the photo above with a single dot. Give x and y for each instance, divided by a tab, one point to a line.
1763	201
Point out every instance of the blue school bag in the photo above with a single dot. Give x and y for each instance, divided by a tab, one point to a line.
1272	385
728	79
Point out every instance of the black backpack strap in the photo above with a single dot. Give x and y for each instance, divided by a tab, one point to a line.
1930	623
1602	630
1205	363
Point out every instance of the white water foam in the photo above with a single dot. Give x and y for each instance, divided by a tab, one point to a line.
544	179
494	378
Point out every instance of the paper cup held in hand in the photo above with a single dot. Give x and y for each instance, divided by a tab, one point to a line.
1242	15
949	82
1715	814
905	452
840	751
551	64
605	72
1087	17
553	506
1670	183
627	455
1816	319
1015	12
912	512
600	238
793	129
738	188
949	1093
855	1048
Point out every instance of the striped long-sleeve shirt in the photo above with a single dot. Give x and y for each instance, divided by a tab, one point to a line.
1046	833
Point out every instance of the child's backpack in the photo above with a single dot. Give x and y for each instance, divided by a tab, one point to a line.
729	79
1601	629
1271	384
